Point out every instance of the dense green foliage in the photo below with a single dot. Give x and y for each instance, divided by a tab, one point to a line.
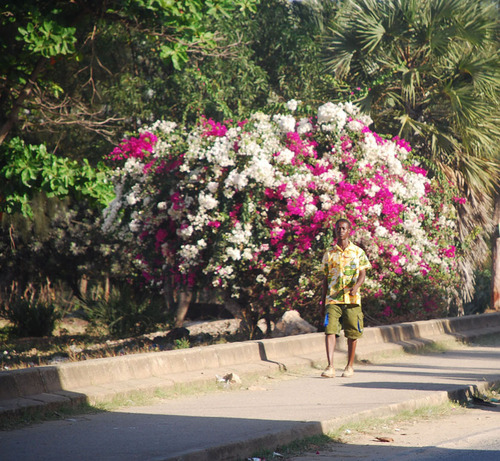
75	77
30	170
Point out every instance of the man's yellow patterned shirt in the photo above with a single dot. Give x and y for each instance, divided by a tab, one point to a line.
341	268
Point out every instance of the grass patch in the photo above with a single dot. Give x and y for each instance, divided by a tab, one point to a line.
177	391
492	339
305	445
363	426
434	348
369	425
425	348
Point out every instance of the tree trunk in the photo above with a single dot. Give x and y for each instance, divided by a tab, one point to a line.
185	297
84	281
168	293
106	288
23	95
241	314
234	307
495	270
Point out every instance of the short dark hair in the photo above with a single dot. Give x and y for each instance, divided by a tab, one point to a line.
341	220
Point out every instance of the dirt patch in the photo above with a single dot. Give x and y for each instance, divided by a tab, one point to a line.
73	341
402	440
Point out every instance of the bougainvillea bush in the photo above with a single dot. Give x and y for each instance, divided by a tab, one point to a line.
248	208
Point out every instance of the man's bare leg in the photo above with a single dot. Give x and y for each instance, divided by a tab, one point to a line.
351	353
330	348
330	341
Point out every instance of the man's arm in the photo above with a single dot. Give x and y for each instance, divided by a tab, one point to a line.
323	296
359	282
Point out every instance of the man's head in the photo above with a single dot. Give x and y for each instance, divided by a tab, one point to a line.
342	229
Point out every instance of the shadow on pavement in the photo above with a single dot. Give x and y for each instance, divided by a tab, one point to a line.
126	436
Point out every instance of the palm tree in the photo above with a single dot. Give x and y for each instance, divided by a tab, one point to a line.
433	68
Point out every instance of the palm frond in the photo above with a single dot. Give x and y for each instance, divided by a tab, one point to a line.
440	61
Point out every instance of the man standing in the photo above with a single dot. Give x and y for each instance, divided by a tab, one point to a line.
344	266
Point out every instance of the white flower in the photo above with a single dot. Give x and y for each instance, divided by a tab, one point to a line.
366	120
373	190
133	166
333	113
134	225
261	171
381	231
162	206
185	233
160	125
285	156
286	123
355	125
237	180
325	112
292	105
233	253
207	201
310	209
249	148
261	279
227	272
247	254
132	199
350	108
305	126
212	186
376	209
189	252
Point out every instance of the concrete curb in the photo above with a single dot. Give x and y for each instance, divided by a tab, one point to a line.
101	380
310	429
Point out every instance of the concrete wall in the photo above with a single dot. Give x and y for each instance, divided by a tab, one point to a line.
101	379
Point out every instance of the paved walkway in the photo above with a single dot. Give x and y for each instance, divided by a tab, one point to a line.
235	424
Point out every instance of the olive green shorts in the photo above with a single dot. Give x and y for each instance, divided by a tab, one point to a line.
345	317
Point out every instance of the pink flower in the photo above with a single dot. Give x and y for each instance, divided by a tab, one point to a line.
161	235
387	312
213	129
449	252
177	201
148	166
402	143
134	147
418	170
277	234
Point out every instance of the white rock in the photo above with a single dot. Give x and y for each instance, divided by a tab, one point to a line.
291	323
